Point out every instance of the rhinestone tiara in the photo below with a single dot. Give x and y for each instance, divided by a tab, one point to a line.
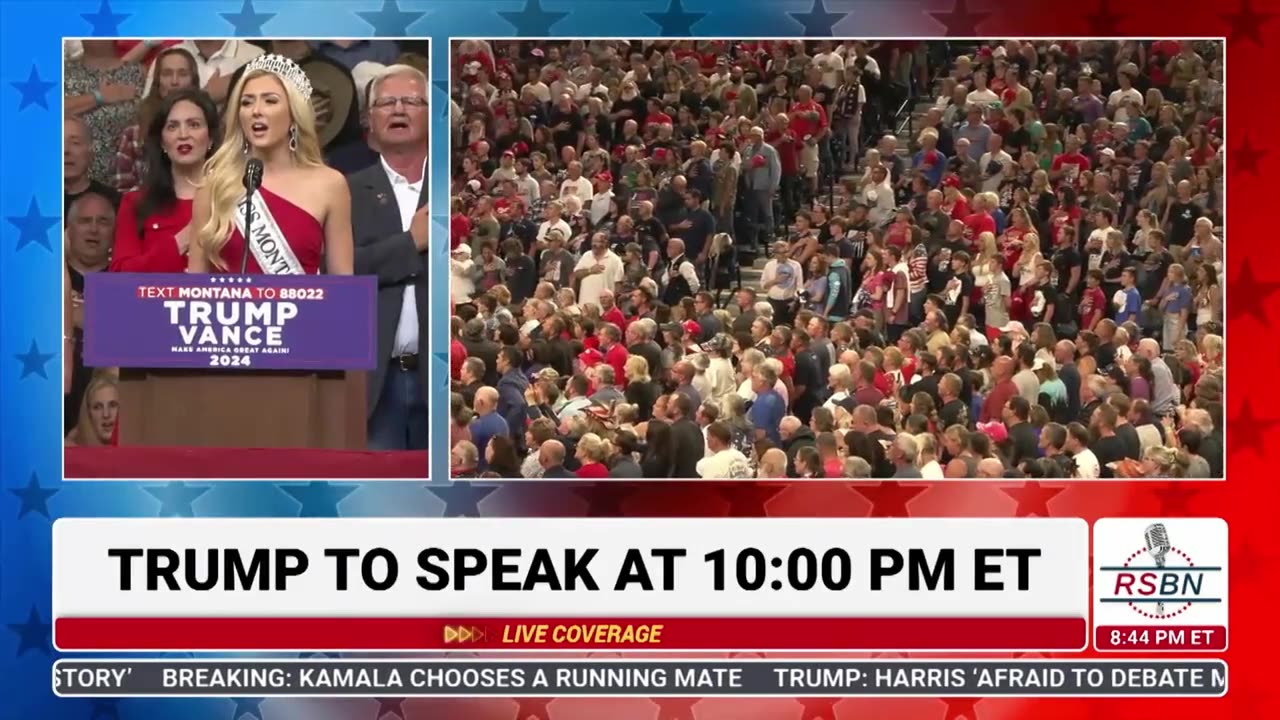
285	69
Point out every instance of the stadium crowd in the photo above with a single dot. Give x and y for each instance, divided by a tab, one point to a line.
1022	277
143	118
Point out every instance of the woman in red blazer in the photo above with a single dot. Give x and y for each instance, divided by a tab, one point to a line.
153	224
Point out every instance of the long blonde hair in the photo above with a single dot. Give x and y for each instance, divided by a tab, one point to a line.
84	434
224	172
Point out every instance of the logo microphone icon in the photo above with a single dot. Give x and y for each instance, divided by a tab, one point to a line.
1157	537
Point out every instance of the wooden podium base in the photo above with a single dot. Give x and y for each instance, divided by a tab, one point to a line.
248	409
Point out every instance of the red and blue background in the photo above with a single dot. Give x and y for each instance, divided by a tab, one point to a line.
32	493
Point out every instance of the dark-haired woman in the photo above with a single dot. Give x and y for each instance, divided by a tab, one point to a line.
175	69
153	228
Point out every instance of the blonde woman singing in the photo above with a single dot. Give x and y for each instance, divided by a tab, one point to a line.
301	214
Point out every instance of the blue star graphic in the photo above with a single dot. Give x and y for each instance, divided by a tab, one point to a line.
318	499
104	709
390	706
33	497
176	498
532	21
462	499
33	227
33	362
441	105
442	368
34	90
391	21
247	707
247	22
818	22
105	23
675	21
32	634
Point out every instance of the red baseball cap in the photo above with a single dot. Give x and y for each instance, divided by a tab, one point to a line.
692	328
951	181
931	157
995	430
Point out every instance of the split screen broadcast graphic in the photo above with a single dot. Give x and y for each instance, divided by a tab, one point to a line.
246	268
696	260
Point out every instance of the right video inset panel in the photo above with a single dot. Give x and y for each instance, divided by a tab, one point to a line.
737	259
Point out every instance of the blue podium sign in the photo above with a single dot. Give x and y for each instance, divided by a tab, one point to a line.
249	322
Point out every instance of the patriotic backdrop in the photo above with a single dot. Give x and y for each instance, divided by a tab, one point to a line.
33	494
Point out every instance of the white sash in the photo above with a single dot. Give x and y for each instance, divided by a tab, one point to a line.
269	247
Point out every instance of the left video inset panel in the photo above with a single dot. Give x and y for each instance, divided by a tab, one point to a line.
245	243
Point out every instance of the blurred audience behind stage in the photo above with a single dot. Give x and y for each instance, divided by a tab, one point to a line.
730	259
134	108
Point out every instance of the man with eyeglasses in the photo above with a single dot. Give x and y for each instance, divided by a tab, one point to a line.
389	220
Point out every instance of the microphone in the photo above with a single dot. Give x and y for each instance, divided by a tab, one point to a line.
252	174
1157	537
252	181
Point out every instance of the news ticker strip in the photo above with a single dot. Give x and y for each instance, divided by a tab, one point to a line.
639	678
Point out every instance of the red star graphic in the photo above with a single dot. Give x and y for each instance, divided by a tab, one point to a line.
1246	24
960	21
889	499
1249	430
1248	564
1106	710
1249	699
818	708
1033	498
962	708
1103	23
675	708
1249	296
1175	498
749	499
1246	157
605	499
535	708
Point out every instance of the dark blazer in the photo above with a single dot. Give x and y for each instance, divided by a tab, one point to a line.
690	447
384	250
487	351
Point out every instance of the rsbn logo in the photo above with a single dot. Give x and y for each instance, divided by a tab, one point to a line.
1160	580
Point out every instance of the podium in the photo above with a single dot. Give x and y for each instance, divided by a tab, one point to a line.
235	361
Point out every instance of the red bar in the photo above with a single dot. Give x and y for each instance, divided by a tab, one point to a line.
1134	638
373	634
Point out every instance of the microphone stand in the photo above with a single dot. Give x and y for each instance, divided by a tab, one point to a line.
250	189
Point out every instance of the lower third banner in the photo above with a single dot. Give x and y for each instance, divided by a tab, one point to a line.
647	678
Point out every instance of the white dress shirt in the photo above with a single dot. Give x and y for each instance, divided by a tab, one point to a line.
233	55
407	193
